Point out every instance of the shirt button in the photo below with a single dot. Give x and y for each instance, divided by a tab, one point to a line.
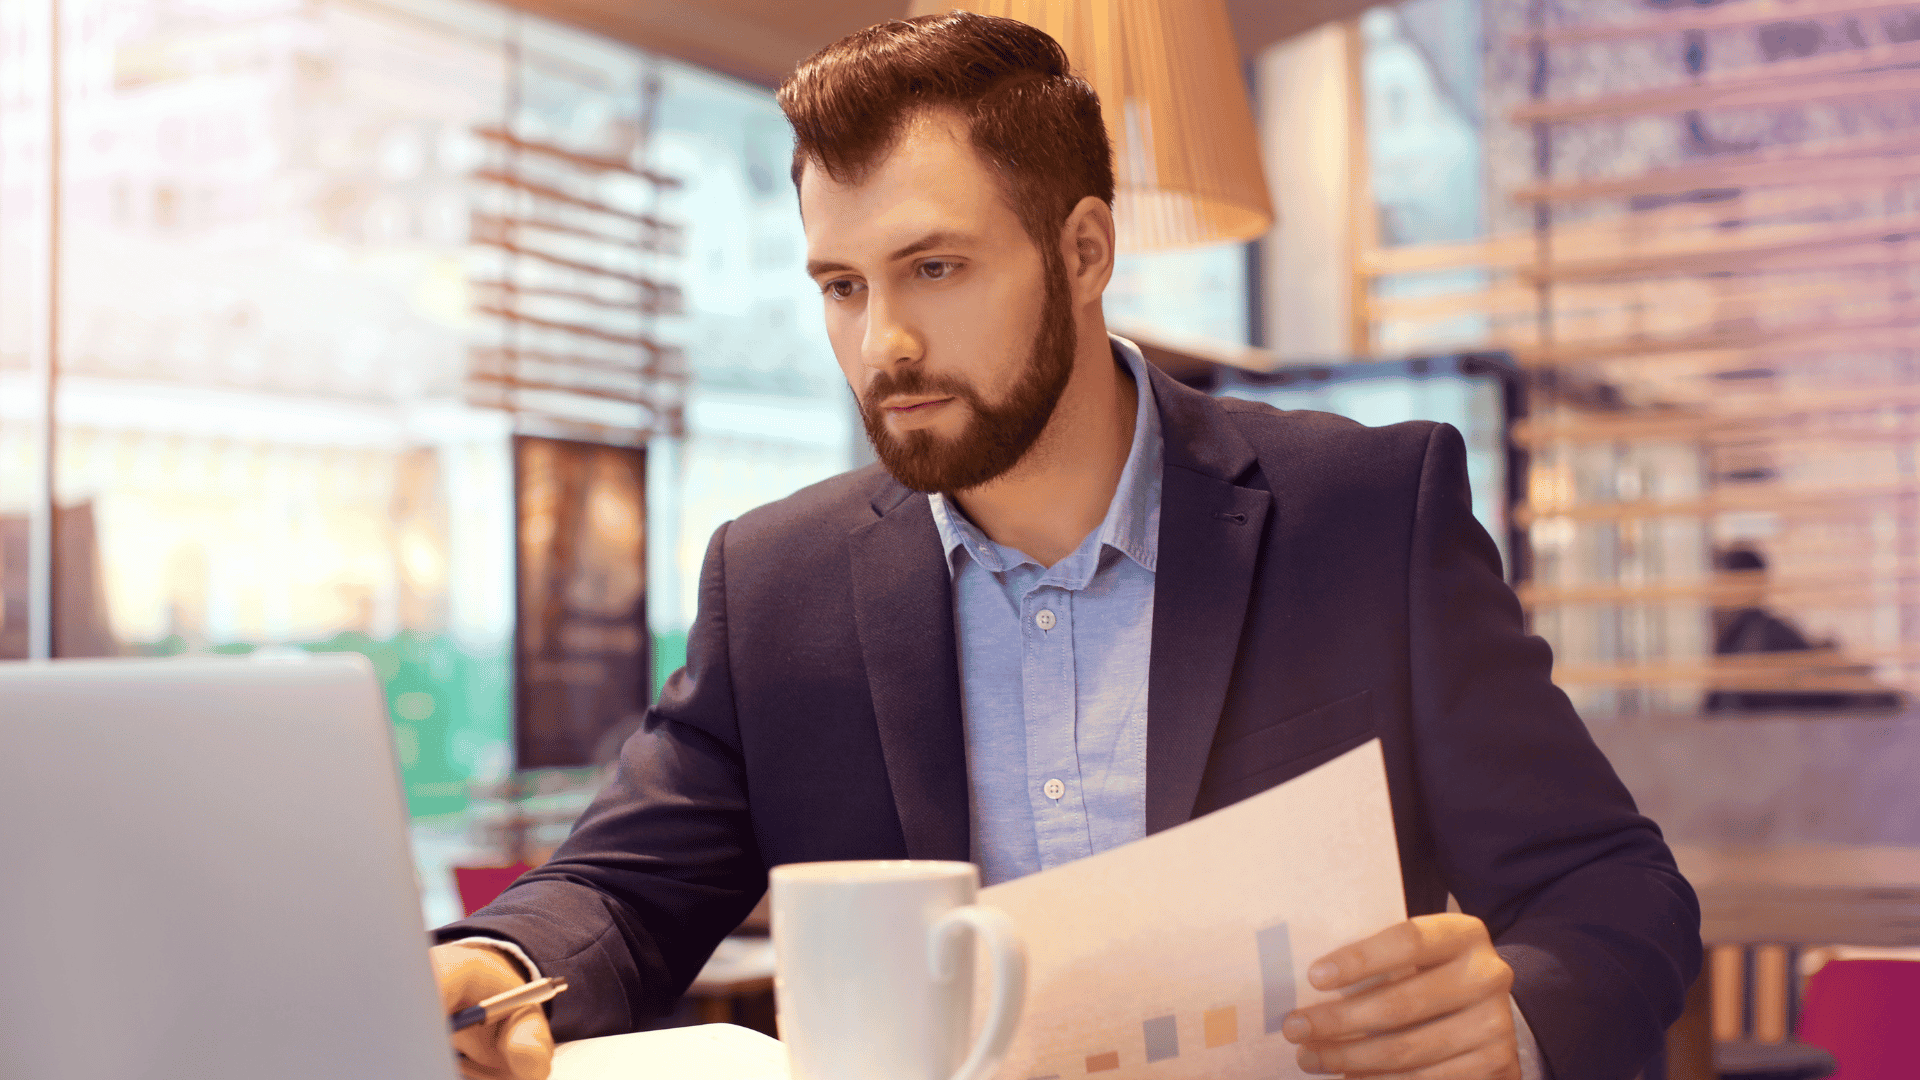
1044	621
1054	789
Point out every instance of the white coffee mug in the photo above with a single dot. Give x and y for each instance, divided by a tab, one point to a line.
874	980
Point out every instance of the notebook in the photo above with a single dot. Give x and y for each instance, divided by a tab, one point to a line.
707	1052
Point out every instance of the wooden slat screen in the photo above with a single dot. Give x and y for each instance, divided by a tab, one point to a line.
570	306
1720	298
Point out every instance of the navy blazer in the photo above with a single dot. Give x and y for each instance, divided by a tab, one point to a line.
1320	583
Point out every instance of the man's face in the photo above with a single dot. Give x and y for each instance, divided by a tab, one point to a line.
955	334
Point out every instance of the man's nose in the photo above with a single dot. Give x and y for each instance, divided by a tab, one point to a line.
891	341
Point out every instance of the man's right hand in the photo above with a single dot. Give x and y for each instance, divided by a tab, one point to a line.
517	1046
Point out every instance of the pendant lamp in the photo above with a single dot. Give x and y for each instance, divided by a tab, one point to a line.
1186	158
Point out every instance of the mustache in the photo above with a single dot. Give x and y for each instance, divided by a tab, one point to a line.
912	382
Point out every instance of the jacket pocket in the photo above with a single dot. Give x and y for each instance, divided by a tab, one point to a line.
1254	756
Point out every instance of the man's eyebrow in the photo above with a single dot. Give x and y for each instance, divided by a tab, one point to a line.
816	267
931	240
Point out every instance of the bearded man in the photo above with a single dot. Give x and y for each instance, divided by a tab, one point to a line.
1076	603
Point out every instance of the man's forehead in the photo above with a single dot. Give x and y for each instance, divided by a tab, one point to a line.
930	180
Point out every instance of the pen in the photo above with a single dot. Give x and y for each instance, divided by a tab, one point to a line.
533	993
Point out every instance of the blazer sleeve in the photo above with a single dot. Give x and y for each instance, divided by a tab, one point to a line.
662	864
1534	832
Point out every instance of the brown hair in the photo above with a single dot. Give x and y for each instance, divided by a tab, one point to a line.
1030	118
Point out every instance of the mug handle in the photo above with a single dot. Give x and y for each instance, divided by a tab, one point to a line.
1009	979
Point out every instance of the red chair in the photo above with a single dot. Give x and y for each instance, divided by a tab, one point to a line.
478	885
1867	1013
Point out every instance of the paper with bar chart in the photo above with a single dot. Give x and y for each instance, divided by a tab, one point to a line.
1177	956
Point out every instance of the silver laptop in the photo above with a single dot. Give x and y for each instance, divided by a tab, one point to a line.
204	875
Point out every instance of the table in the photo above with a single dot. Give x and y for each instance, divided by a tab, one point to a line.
1790	895
742	965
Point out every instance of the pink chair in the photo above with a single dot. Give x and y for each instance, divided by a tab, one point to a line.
1867	1014
478	885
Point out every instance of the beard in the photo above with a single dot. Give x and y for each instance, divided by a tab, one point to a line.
997	437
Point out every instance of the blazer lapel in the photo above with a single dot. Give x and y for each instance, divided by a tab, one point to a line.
903	608
1210	530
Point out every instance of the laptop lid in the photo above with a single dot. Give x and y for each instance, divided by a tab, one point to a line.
206	876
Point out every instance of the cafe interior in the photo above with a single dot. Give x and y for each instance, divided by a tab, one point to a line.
447	332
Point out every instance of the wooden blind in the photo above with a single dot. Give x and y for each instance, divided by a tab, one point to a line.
572	298
1710	268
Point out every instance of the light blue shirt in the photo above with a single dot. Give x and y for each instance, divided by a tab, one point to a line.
1053	679
1053	671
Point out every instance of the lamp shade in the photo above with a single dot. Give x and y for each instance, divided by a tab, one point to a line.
1186	158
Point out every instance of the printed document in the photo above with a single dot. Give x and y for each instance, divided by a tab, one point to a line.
1177	956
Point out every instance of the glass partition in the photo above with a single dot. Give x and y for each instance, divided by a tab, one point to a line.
272	281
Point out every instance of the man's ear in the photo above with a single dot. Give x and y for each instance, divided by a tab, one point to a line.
1086	243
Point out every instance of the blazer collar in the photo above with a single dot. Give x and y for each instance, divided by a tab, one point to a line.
1210	542
1210	530
903	612
1199	437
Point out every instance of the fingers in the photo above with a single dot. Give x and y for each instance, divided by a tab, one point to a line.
514	1047
479	1052
1482	1063
517	1046
1468	979
473	1070
1422	941
1487	1024
1423	1000
527	1045
1362	986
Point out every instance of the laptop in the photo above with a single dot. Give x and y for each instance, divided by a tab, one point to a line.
204	875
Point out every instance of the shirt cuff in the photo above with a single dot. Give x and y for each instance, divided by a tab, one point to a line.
1530	1064
531	971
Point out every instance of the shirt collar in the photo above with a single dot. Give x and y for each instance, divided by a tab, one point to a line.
1132	524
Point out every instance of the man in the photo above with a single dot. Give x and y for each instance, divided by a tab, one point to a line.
1742	626
1077	603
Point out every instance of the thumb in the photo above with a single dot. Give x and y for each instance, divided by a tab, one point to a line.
527	1044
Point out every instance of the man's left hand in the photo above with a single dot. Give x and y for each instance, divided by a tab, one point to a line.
1425	999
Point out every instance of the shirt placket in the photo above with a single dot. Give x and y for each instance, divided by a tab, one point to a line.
1054	783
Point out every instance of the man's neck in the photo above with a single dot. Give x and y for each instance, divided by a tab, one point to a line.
1046	505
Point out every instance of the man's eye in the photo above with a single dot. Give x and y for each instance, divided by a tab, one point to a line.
840	288
936	269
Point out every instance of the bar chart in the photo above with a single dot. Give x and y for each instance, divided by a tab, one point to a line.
1179	957
1210	1028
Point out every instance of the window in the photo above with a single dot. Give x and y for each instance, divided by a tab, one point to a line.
268	297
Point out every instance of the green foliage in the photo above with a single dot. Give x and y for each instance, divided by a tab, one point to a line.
669	656
450	711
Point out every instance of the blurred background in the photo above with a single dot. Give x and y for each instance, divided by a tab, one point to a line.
447	332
